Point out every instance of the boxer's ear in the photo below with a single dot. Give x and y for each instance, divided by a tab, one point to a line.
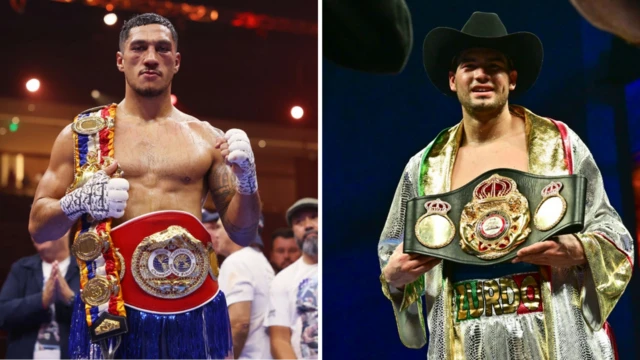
120	61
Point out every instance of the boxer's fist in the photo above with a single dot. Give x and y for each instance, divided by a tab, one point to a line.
236	151
101	196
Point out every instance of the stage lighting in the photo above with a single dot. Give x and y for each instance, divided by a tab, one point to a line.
297	112
174	99
33	85
110	19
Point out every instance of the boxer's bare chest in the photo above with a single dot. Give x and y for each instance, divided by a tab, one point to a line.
472	161
167	153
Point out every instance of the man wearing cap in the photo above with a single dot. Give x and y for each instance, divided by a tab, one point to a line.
293	305
245	277
210	220
552	300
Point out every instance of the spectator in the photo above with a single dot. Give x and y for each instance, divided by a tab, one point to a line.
36	302
284	249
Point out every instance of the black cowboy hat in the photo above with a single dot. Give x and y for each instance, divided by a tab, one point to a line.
482	30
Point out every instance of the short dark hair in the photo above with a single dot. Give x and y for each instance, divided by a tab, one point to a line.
281	232
146	19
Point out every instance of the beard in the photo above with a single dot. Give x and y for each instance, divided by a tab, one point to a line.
485	108
309	243
148	92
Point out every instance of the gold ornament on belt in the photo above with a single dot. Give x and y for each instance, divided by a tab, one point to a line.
551	209
98	290
434	229
214	269
92	166
106	326
496	221
89	245
120	264
170	264
86	171
89	125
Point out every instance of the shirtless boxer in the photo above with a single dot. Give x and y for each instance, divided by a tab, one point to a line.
169	160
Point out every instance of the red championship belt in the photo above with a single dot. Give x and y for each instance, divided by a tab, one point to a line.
167	267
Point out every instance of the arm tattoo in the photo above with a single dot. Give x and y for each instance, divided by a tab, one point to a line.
224	188
236	232
242	232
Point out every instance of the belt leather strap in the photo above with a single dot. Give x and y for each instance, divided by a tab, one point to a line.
494	215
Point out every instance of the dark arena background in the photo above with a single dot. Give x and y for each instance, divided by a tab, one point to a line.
373	124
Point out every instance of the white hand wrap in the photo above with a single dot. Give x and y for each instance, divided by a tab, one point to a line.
101	197
240	153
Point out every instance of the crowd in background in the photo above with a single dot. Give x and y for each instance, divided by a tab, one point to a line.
272	297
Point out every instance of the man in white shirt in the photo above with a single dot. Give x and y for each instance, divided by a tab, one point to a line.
293	304
245	277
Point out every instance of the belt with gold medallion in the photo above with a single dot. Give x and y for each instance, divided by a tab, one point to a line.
486	221
101	266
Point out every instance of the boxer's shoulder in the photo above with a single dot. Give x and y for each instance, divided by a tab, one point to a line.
187	119
208	129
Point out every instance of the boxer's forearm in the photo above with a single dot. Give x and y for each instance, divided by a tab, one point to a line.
234	188
241	218
47	221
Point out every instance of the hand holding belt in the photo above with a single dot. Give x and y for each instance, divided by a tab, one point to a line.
500	211
95	193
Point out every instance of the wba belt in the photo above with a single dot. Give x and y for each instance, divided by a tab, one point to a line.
488	219
169	260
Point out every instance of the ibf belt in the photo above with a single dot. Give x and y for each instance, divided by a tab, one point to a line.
515	294
170	263
489	219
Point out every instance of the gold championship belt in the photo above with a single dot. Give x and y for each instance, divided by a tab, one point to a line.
101	265
487	220
168	256
496	220
170	264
